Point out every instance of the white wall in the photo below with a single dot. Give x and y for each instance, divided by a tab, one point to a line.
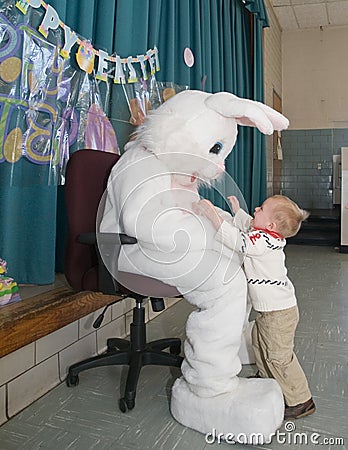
315	78
272	59
272	56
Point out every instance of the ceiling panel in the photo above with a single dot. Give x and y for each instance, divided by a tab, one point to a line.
306	2
338	13
300	14
309	16
286	17
281	2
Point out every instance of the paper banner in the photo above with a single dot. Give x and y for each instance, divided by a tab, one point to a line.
120	70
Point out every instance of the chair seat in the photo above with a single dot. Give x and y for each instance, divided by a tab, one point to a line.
146	286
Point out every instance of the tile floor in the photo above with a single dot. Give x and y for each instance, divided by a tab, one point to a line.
87	416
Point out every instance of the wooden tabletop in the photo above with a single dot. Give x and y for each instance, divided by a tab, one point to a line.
30	319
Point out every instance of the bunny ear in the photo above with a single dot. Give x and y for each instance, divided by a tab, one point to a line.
247	112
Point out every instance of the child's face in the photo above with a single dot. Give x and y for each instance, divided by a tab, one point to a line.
263	215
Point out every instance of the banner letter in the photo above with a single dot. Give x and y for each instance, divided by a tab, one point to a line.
141	59
119	74
70	38
132	78
151	62
157	59
102	64
23	5
50	21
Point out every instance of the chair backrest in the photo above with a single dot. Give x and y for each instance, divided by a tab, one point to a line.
86	179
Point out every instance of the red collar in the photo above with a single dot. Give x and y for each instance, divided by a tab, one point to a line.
272	233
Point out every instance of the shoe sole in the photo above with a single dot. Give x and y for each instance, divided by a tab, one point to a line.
304	414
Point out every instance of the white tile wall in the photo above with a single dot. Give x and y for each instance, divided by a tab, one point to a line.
3	417
128	304
28	387
82	349
153	314
128	318
30	372
56	341
119	309
116	328
171	301
86	323
168	302
16	363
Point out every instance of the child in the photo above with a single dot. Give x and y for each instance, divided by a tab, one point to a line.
261	240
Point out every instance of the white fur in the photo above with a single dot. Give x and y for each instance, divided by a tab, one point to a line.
150	193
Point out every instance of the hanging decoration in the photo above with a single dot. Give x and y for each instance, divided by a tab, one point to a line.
85	57
189	57
50	99
99	132
122	70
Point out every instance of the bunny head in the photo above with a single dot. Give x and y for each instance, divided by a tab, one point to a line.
193	132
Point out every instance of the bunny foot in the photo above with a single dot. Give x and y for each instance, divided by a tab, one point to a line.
250	414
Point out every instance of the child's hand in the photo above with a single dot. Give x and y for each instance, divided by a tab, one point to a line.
234	203
203	208
207	209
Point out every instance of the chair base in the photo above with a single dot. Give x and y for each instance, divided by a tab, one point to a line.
135	353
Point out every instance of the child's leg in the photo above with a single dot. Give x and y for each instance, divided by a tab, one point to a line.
276	332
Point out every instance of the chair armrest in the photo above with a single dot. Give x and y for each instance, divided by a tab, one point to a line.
106	238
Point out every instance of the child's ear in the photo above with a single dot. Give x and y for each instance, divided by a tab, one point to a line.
272	226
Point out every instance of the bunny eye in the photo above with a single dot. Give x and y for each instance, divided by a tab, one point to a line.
216	148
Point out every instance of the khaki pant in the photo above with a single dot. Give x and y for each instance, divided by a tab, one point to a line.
273	343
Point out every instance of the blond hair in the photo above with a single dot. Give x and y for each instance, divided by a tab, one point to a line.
287	215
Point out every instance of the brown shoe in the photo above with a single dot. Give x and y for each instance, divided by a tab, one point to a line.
300	410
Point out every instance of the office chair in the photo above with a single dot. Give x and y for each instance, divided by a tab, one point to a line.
87	173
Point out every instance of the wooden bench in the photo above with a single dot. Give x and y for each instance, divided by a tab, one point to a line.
30	319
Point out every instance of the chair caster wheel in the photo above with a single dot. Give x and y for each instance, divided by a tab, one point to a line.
72	380
175	349
124	404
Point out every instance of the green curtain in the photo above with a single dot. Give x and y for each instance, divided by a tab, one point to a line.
219	33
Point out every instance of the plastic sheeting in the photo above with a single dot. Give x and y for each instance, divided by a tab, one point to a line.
49	107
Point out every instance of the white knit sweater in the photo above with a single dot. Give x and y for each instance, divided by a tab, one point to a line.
264	263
